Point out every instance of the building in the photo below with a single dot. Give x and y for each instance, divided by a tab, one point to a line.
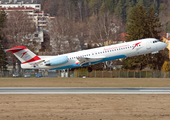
18	1
39	17
29	6
34	12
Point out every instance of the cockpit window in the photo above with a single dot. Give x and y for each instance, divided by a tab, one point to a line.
155	41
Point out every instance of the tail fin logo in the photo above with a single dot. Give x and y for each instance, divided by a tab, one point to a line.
24	54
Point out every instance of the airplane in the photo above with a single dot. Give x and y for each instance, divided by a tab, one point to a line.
87	57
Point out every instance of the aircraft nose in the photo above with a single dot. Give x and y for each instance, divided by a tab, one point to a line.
161	45
164	45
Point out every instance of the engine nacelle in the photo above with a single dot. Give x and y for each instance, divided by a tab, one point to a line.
57	61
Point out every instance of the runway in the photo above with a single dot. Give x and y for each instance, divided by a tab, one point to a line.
66	90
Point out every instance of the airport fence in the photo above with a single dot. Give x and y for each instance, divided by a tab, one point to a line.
31	73
93	74
122	74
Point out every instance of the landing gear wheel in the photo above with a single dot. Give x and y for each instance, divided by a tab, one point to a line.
89	69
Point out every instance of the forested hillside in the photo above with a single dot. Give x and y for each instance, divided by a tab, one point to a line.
82	10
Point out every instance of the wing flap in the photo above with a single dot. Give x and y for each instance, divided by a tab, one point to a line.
83	60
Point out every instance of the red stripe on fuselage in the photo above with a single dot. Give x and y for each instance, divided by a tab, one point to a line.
32	60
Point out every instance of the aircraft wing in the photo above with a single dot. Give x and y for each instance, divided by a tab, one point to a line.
83	60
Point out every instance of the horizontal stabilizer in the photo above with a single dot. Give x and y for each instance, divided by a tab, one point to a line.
7	50
15	49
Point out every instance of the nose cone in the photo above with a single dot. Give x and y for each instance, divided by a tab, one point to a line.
164	45
161	45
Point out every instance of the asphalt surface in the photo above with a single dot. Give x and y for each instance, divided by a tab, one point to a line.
66	90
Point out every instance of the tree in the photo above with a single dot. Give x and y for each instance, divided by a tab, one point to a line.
18	26
46	6
141	2
42	2
164	15
18	29
109	5
3	58
104	27
119	10
65	35
166	66
143	23
79	10
94	6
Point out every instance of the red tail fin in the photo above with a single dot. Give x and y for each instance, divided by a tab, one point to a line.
24	54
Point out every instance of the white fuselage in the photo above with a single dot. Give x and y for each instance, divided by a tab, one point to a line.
102	54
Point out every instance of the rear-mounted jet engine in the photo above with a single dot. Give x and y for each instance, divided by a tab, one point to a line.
57	61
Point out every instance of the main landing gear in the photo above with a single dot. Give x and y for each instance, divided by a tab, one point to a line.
89	69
